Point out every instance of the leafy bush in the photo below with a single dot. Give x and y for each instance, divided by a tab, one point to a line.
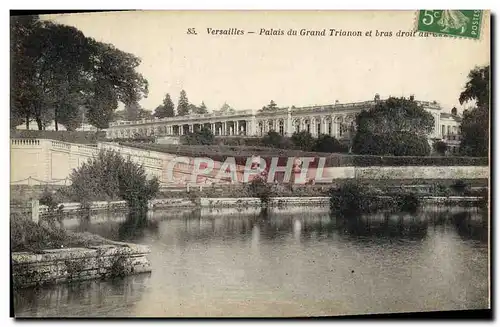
397	144
259	188
47	198
326	143
353	198
439	189
460	186
408	202
204	136
303	140
27	235
348	198
440	147
109	176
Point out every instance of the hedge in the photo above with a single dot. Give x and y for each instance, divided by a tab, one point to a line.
241	153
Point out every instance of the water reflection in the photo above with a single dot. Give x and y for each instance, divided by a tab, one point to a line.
279	263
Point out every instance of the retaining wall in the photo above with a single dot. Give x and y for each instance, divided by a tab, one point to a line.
41	161
77	264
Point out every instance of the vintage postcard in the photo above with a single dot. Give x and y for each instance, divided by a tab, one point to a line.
250	163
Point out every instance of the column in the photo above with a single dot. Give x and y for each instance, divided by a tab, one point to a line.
289	123
253	126
334	127
237	128
224	128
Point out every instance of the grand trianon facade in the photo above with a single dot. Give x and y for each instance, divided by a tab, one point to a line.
335	119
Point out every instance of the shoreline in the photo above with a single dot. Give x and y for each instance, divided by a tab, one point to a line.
72	208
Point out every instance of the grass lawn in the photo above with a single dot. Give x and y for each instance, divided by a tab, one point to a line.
28	236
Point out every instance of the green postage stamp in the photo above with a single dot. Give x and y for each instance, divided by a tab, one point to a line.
461	23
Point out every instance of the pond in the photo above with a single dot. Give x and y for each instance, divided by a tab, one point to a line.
290	262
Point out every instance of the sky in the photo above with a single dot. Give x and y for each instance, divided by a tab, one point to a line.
247	71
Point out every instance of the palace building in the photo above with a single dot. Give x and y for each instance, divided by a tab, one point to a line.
335	119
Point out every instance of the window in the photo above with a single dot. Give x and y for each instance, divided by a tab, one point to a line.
297	126
329	128
443	131
318	129
282	128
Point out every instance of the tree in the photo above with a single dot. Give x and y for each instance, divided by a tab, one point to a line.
119	115
226	108
395	115
396	126
56	70
475	132
166	109
440	147
192	109
144	114
132	111
44	73
477	87
475	123
203	109
183	105
271	106
113	78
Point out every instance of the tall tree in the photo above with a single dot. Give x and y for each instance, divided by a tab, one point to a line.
22	73
112	78
199	110
193	109
166	109
183	106
477	87
475	124
226	108
203	108
396	126
47	61
132	111
56	69
271	106
144	114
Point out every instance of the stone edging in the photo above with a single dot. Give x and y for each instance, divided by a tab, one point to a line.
77	264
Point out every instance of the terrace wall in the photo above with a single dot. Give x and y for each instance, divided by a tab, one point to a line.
39	161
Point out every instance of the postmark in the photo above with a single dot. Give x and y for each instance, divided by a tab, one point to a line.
459	23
